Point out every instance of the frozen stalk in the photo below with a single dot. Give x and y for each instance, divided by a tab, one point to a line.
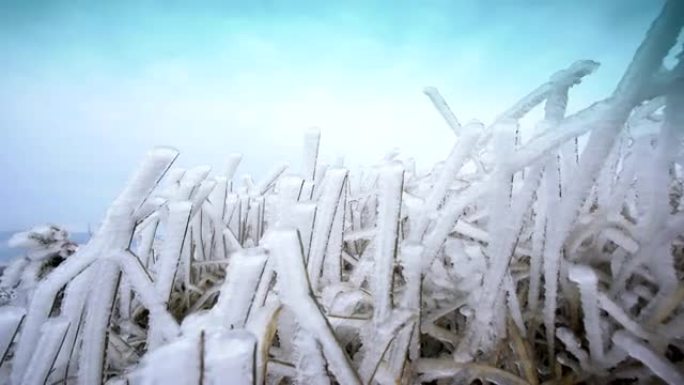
176	229
310	157
390	186
49	344
232	164
587	281
443	108
574	346
459	154
657	363
296	294
328	204
309	360
114	234
92	360
236	298
10	320
75	297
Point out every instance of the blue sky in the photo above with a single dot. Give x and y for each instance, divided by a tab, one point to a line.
88	86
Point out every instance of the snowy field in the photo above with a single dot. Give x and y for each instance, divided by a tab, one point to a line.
512	262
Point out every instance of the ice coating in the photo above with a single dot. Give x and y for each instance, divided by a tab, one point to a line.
390	274
443	108
236	295
310	156
587	281
390	186
10	320
660	366
328	204
176	225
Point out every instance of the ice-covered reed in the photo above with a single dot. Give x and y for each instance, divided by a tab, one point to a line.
512	262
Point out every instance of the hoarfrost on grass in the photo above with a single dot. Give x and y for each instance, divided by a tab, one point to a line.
513	261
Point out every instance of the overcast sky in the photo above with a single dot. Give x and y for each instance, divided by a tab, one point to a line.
86	87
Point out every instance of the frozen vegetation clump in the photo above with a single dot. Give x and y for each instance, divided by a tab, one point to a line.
515	261
42	248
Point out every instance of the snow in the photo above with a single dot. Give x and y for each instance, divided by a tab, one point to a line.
229	358
177	363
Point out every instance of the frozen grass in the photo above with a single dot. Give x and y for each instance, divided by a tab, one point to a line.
511	262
